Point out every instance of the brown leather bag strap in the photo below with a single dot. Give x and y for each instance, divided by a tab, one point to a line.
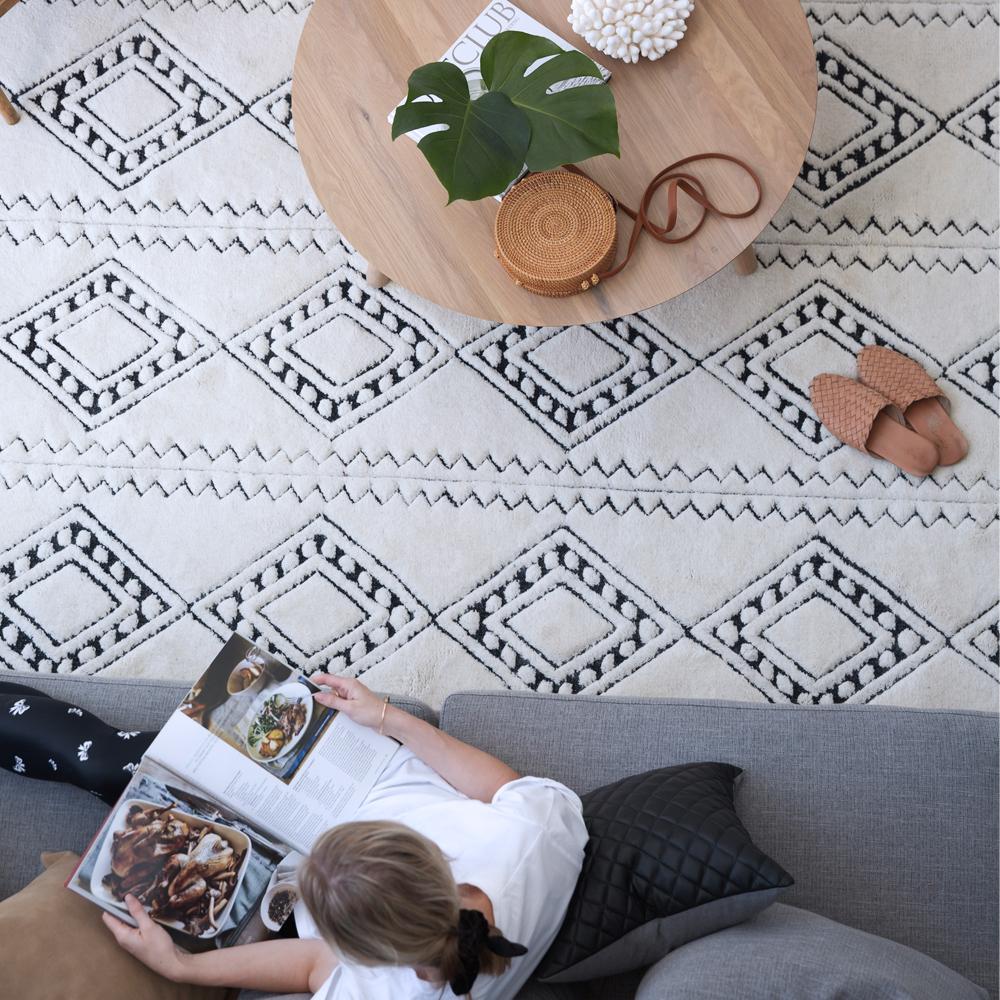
677	182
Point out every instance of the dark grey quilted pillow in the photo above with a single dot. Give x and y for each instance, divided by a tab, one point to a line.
668	861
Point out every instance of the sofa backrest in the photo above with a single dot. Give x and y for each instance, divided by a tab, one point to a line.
887	818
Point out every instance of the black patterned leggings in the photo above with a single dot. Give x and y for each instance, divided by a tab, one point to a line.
41	737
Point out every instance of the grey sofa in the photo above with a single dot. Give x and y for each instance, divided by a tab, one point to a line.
887	818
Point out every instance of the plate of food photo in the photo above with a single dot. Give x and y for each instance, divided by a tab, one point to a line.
278	720
186	871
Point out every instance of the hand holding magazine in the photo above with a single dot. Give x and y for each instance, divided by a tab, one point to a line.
248	769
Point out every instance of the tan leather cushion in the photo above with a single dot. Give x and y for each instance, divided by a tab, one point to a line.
54	944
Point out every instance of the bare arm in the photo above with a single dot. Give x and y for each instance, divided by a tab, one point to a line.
284	966
471	771
289	965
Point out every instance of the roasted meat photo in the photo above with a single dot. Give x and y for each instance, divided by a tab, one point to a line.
181	870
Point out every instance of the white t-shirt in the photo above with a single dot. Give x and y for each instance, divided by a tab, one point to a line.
524	850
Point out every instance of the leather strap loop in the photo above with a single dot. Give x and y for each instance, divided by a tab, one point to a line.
676	182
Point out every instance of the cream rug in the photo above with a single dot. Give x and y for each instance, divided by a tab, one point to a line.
209	422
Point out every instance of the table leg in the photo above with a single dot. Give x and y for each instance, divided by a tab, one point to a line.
746	263
7	110
375	277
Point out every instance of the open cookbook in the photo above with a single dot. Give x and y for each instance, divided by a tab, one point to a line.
247	770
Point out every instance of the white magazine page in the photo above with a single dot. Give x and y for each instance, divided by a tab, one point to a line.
325	788
250	733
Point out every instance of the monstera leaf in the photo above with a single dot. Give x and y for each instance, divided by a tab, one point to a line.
566	125
524	118
484	145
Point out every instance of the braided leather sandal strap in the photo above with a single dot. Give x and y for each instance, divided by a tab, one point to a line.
897	377
847	409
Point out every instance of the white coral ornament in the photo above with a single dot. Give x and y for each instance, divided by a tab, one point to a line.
628	29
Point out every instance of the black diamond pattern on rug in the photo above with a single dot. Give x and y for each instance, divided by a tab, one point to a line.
888	125
976	124
574	381
341	351
104	342
317	600
977	372
979	642
274	111
561	618
766	631
74	597
131	104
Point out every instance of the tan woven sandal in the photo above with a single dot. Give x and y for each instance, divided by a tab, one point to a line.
866	420
917	395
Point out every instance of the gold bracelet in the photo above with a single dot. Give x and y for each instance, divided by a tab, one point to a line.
381	724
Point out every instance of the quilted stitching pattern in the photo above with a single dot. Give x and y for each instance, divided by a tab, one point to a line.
660	843
846	408
896	376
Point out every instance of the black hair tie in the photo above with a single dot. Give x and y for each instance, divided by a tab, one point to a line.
473	935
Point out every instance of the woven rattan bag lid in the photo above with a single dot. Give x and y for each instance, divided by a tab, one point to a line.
556	232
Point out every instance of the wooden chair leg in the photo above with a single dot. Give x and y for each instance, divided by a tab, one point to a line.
375	277
7	110
746	263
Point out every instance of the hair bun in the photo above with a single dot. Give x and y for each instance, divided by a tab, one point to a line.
473	936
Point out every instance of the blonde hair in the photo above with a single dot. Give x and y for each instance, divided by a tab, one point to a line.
383	894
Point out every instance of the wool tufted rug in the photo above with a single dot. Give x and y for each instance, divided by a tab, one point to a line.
209	422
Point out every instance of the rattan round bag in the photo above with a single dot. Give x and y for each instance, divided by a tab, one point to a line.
556	232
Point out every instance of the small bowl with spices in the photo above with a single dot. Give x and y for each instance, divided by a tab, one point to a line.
277	905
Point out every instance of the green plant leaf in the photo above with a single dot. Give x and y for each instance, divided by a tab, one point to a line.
484	146
566	126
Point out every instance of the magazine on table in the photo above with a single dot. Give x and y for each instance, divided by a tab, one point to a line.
466	50
248	769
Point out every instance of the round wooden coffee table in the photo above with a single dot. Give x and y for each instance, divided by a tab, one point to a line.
743	81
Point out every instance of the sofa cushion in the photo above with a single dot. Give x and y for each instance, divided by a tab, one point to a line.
55	944
786	953
668	860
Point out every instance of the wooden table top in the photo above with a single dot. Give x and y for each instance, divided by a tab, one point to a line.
742	81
